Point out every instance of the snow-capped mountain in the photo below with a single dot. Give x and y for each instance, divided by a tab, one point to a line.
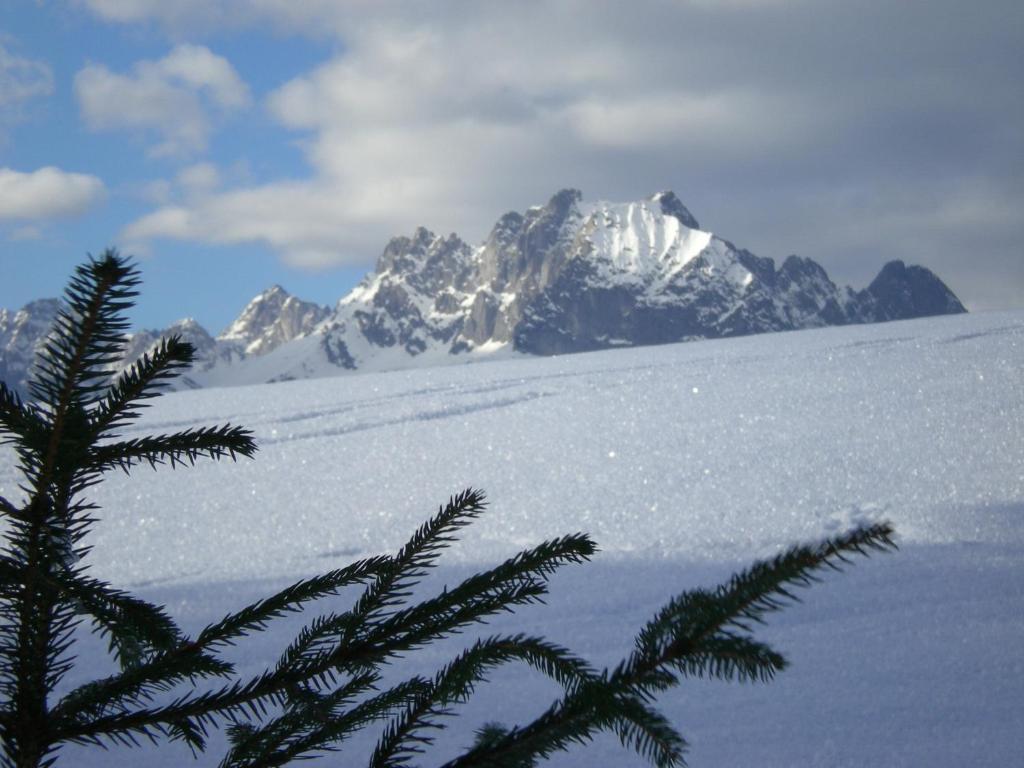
569	276
271	319
573	276
22	333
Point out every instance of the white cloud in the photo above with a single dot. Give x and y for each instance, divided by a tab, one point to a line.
21	80
170	98
447	115
199	179
447	124
46	193
315	17
302	220
201	69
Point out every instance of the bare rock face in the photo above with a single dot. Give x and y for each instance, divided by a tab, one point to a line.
567	276
571	276
22	334
207	350
901	292
271	319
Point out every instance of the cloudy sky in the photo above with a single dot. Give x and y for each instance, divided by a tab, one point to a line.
233	144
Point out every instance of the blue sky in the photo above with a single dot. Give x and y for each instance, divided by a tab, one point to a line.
232	145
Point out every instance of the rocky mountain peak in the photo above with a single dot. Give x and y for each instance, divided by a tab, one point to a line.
566	276
271	319
22	334
673	206
796	268
411	254
563	201
900	291
426	262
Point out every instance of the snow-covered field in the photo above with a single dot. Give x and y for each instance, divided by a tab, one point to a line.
684	462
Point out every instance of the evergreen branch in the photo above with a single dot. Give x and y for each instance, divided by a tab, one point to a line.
290	599
349	640
232	702
647	732
691	634
200	710
751	594
764	587
598	705
397	575
730	657
521	579
125	728
180	448
316	724
419	554
237	700
136	628
133	687
18	419
7	508
456	682
89	336
145	379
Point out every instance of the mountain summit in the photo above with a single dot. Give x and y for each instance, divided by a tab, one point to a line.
568	276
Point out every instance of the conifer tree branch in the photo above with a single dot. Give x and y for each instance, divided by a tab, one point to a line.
520	580
7	508
690	634
137	684
180	448
598	705
89	337
751	594
270	687
323	688
316	723
456	682
18	422
290	599
143	380
134	686
420	553
136	628
351	640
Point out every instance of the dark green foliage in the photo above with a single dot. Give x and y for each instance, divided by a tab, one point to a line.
328	682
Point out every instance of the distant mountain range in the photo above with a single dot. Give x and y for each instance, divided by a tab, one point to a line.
565	277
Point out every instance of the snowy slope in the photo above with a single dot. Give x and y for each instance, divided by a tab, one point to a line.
683	461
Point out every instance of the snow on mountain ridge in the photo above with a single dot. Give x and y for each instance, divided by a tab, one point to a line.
640	241
22	335
271	319
568	276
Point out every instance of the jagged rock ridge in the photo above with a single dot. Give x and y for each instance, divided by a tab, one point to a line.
573	276
568	276
22	334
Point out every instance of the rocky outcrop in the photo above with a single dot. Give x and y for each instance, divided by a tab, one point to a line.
568	276
22	335
272	319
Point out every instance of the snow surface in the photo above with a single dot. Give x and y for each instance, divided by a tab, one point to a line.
684	462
